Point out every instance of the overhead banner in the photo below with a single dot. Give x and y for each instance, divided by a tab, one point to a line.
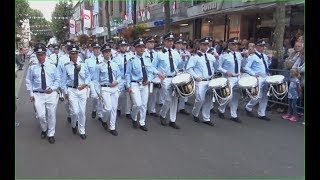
87	18
72	26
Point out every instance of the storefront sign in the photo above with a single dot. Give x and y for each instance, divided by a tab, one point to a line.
209	6
161	22
204	8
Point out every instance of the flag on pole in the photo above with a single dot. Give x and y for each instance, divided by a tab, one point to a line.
174	8
72	26
87	18
148	11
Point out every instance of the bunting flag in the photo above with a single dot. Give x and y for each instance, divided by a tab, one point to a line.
125	15
87	18
148	7
140	12
72	26
174	7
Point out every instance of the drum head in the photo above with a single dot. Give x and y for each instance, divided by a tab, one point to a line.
218	82
275	79
181	78
248	82
156	80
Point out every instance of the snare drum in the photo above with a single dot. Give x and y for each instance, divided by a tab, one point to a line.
221	86
250	84
183	84
277	81
156	82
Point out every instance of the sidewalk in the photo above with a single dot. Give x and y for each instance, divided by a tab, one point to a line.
20	74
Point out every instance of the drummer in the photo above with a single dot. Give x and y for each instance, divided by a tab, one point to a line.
201	67
257	66
229	66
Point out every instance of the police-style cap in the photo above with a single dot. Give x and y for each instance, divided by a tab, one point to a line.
40	48
138	42
95	45
169	35
68	42
204	40
260	42
184	42
233	40
123	42
150	39
210	50
110	41
73	48
106	46
158	46
56	46
178	40
50	46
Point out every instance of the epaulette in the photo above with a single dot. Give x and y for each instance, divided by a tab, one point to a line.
131	58
32	63
100	62
164	50
67	63
199	54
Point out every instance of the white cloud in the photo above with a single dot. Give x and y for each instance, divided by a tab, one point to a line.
46	7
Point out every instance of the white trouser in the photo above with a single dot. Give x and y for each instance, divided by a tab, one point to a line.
162	96
171	102
152	100
78	101
182	102
96	105
233	101
66	106
139	97
46	106
203	99
109	102
124	93
262	100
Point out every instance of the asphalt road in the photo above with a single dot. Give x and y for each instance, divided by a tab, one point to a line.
252	149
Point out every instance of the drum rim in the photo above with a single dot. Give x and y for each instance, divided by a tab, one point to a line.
220	85
189	78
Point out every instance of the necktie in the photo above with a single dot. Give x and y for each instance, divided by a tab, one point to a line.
144	72
43	78
110	73
76	77
171	61
125	64
236	70
208	65
151	56
57	60
97	61
265	64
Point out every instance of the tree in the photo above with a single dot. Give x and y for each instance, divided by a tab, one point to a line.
22	11
60	19
39	26
108	18
279	16
166	4
83	39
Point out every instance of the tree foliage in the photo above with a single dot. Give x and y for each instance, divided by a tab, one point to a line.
39	27
60	27
22	11
133	32
83	39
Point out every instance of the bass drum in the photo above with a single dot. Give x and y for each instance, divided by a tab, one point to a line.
250	85
183	84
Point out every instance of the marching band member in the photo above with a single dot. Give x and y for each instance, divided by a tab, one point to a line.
55	56
122	59
201	67
230	65
138	76
167	65
42	82
75	79
106	82
257	66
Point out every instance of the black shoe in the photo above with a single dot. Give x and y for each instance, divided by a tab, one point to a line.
196	119
114	132
69	119
154	115
51	140
128	116
147	113
144	128
163	121
188	104
249	113
160	104
94	114
83	136
174	125
43	134
118	112
221	115
100	119
264	118
77	124
134	124
236	119
74	130
183	111
105	125
208	123
61	99
213	111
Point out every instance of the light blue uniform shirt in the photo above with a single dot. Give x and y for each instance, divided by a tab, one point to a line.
146	55
33	78
255	64
91	64
197	65
162	63
101	76
134	70
67	78
119	59
227	63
